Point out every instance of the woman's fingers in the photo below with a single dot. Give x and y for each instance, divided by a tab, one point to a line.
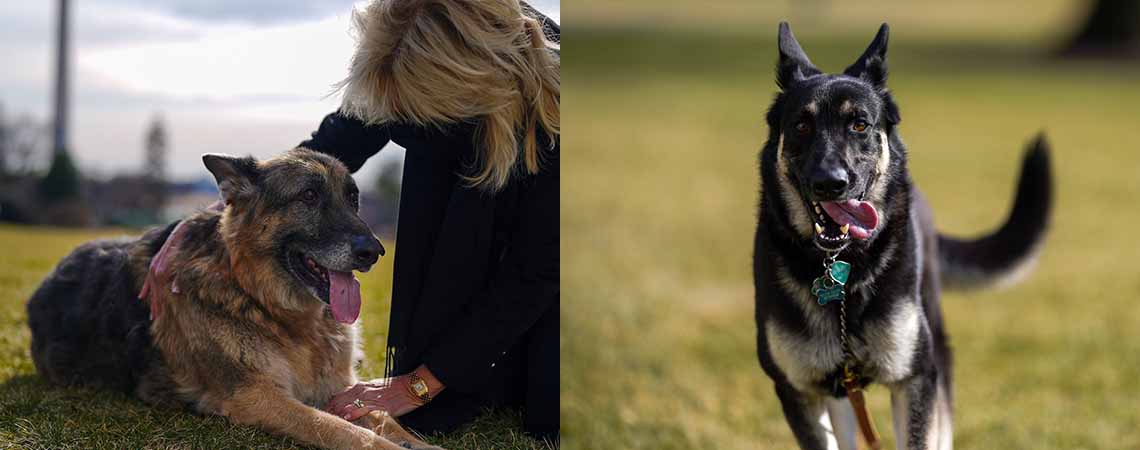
382	399
379	395
346	397
349	390
355	413
355	410
339	401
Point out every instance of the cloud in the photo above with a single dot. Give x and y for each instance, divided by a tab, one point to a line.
94	24
244	11
301	60
228	77
269	11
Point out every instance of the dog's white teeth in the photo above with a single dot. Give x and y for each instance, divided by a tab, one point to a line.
818	229
843	229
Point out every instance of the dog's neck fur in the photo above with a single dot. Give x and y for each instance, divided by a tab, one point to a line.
217	251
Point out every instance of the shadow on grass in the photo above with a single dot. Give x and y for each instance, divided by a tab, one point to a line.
36	414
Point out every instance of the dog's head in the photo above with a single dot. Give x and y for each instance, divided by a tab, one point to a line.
832	133
292	229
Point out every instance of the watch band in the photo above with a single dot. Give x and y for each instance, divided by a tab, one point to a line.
418	387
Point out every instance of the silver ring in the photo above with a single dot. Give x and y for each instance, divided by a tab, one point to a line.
357	403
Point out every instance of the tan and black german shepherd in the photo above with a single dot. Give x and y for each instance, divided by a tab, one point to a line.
259	325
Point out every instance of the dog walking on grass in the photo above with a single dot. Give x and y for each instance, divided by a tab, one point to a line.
848	265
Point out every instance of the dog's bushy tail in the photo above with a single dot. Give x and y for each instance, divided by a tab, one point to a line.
1004	256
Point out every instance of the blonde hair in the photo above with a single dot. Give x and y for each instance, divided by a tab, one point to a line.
439	62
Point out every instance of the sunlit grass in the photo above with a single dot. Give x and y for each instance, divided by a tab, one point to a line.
658	210
34	414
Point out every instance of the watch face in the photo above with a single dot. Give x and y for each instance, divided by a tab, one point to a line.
420	387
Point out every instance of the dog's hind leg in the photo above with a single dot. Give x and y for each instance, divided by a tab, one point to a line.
920	410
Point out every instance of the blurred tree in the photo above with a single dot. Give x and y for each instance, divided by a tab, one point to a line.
388	182
1112	29
154	171
62	181
155	143
3	144
23	145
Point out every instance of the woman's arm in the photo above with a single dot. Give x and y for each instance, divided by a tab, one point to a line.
348	139
525	287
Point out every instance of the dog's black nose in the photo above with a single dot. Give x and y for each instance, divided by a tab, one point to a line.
829	184
367	249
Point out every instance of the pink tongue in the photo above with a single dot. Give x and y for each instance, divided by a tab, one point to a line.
344	296
860	215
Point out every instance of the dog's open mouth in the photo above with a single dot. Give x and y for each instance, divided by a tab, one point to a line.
340	290
838	222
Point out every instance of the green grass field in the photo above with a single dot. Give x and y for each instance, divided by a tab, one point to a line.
36	415
664	115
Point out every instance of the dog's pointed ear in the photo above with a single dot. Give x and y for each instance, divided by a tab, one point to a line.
236	176
794	64
872	66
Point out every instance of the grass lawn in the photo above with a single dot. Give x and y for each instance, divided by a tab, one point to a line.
664	123
34	414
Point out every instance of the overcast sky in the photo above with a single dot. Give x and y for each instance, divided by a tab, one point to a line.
242	77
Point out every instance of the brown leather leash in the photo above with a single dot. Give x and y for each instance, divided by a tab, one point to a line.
854	389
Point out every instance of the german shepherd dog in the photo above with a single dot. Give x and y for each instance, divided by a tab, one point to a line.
259	325
834	180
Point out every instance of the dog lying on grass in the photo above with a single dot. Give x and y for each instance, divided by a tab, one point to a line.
259	325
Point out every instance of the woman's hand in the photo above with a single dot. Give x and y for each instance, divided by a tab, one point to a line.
156	277
393	395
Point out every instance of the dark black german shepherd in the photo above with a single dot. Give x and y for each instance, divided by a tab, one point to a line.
835	181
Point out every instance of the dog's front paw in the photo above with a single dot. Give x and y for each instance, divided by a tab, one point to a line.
386	427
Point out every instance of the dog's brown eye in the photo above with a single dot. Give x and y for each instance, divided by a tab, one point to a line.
803	128
309	196
859	126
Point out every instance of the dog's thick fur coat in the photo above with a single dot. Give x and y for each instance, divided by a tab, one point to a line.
843	129
244	336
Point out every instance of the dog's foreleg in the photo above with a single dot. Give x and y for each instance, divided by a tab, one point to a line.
806	417
268	406
384	425
843	423
920	413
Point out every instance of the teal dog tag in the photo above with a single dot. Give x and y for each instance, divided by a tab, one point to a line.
839	271
830	294
829	287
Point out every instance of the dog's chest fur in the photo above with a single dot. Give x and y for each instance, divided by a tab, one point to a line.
209	354
323	365
885	331
811	358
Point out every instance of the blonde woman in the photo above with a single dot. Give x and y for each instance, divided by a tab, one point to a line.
471	89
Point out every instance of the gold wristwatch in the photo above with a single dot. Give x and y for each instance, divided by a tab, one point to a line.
419	387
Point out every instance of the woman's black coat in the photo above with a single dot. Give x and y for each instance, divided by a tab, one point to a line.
476	282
